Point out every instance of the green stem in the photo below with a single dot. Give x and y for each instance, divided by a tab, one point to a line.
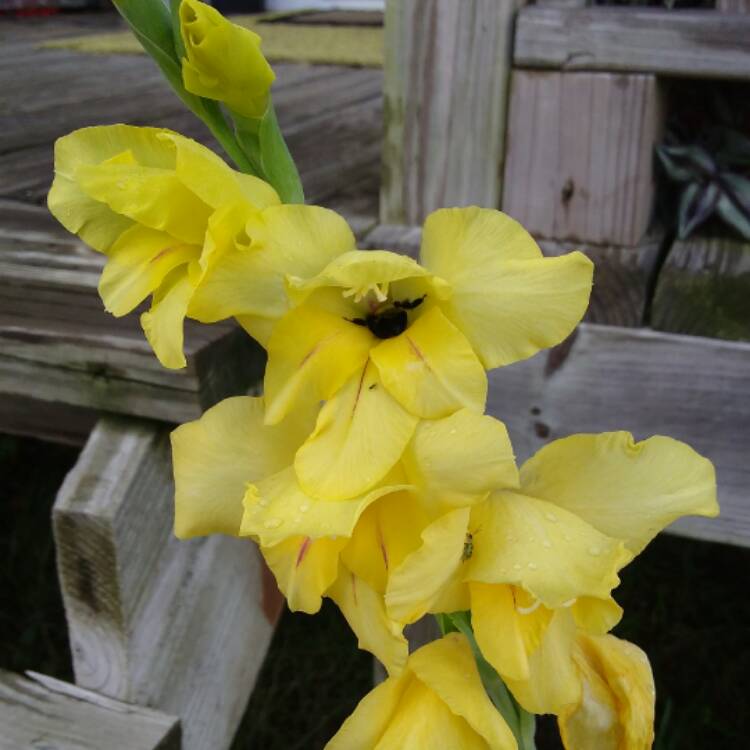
521	722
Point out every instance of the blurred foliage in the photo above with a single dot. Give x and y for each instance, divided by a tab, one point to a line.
705	158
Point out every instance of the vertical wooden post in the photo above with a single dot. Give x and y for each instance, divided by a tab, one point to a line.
174	625
447	65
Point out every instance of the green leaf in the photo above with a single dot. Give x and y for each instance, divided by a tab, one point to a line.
697	203
277	162
734	203
686	163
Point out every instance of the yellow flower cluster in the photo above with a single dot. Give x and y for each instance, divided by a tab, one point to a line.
368	472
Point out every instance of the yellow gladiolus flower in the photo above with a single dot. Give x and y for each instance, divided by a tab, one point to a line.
234	475
386	341
176	222
535	564
437	701
616	709
224	61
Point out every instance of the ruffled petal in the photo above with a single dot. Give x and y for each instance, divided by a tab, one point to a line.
448	668
139	260
359	436
550	553
415	585
625	489
215	456
257	250
554	684
461	458
275	508
386	533
364	610
508	300
163	323
431	368
617	704
364	728
304	569
311	355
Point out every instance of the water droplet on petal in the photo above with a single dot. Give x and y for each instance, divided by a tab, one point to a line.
304	507
550	517
532	566
516	566
595	551
272	523
263	502
547	544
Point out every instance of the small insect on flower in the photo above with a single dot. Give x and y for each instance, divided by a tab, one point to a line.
468	547
390	322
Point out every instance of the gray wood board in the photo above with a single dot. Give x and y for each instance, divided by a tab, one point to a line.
45	713
692	43
182	626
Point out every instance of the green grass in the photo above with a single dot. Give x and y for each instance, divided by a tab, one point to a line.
685	602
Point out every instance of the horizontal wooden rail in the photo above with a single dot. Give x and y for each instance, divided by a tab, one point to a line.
47	714
693	43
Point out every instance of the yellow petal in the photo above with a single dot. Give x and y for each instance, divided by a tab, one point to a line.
364	728
163	323
505	636
358	273
359	436
364	610
461	458
258	326
424	721
311	354
304	569
596	616
275	507
508	300
448	668
617	706
215	456
386	533
414	586
554	684
625	489
139	260
257	250
547	551
210	178
151	196
431	368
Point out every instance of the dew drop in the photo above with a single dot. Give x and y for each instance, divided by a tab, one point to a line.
551	517
516	566
546	544
263	502
272	523
532	566
452	432
304	507
595	551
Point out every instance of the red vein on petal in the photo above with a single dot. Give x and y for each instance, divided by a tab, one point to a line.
359	388
418	352
303	551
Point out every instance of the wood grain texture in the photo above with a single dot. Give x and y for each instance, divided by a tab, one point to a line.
692	43
579	159
43	713
649	383
46	420
733	6
621	275
446	70
58	344
704	289
175	625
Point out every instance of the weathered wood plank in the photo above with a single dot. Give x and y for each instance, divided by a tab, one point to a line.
47	714
46	420
579	159
171	624
693	43
733	6
621	275
704	289
446	70
606	378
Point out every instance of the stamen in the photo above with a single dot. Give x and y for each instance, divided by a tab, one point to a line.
528	610
570	602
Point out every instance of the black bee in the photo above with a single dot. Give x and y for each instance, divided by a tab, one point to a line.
390	322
